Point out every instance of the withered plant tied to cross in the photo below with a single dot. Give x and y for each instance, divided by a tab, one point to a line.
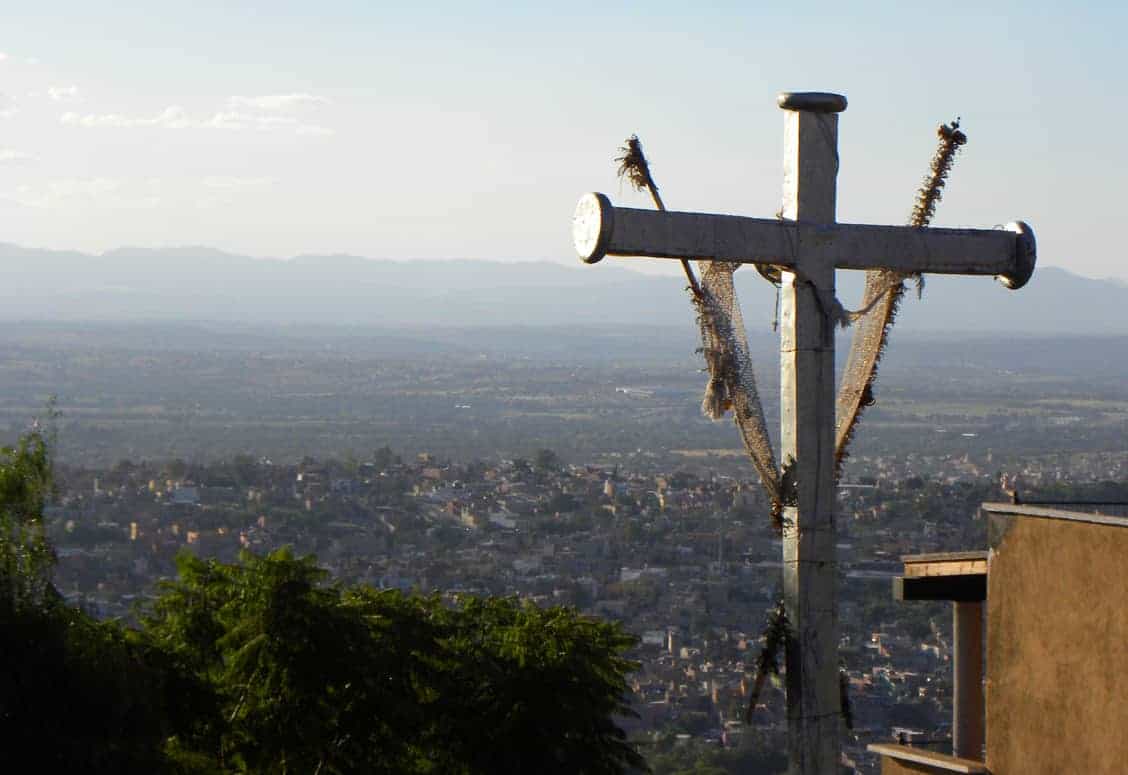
951	139
775	638
882	299
768	663
634	167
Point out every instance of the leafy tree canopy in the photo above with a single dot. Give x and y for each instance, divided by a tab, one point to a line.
265	665
317	677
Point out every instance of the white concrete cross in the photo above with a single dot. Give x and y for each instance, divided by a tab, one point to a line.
809	246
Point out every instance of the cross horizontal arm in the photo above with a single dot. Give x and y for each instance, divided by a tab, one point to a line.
600	229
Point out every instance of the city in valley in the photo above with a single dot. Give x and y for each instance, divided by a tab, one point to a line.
566	467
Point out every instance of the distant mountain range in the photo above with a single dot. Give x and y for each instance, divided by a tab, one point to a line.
203	284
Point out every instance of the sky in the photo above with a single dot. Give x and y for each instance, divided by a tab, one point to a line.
469	130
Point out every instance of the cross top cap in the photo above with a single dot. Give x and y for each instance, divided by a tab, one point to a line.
812	101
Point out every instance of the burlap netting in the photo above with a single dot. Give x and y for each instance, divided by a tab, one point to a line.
732	383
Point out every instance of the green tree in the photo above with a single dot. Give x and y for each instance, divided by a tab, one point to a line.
546	461
753	752
535	690
26	558
384	458
317	677
265	666
245	470
76	695
563	503
290	663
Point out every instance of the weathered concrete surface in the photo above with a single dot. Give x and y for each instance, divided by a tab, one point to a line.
896	759
1057	659
806	411
891	766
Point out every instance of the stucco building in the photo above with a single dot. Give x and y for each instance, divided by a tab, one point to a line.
1040	643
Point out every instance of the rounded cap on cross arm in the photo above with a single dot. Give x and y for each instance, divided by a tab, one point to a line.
592	225
811	101
1025	256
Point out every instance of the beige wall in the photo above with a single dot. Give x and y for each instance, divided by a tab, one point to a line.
1057	663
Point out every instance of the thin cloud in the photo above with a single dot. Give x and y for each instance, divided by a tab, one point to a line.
113	193
7	106
68	189
3	56
235	120
227	183
172	117
12	155
312	130
62	93
175	117
277	102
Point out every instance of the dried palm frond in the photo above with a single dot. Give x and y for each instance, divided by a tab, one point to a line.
884	290
931	191
634	167
776	636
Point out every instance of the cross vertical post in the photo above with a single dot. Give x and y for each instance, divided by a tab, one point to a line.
807	408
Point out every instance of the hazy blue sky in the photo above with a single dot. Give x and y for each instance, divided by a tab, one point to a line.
469	130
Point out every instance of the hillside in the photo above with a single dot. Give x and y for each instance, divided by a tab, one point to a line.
199	283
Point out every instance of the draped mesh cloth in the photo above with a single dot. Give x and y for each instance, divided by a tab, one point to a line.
732	384
883	294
